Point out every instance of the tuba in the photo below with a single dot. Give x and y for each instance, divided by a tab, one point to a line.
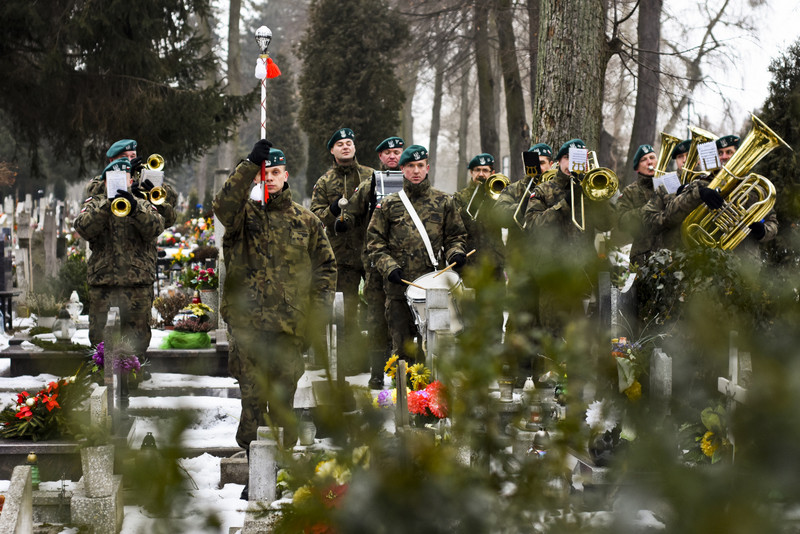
668	144
492	187
599	184
748	199
545	177
699	136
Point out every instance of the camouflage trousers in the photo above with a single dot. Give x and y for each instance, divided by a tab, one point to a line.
380	345
134	302
268	365
402	330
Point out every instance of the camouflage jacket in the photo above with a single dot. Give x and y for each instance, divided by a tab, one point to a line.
123	248
360	207
483	233
279	264
341	181
549	215
394	242
630	221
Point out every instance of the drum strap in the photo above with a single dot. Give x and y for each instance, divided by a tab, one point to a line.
419	225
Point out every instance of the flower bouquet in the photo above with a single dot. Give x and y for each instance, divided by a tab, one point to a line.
123	361
191	331
426	400
707	441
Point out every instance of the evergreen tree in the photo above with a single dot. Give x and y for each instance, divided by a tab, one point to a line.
348	77
77	76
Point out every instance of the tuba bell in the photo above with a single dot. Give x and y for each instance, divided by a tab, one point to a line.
748	199
598	184
492	187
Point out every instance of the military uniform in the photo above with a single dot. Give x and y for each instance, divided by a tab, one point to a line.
629	208
122	266
280	277
483	233
340	181
394	242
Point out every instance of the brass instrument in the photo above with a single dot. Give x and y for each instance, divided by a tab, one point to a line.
598	184
545	177
120	207
699	136
668	144
726	227
492	187
157	195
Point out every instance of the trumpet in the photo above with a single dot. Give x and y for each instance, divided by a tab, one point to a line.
545	177
155	162
120	207
492	188
599	184
726	227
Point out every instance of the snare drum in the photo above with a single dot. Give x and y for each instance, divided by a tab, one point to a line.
416	297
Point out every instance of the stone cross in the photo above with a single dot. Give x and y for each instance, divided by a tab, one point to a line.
50	230
738	365
263	465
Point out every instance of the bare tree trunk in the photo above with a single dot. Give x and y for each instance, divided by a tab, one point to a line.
436	118
533	43
204	26
408	80
646	113
228	150
487	108
518	129
463	128
572	62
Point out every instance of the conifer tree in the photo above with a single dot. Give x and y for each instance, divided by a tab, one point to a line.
348	78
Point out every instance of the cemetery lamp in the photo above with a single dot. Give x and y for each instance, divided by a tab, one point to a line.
33	461
64	327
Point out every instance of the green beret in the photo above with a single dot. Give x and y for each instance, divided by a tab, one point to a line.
123	145
413	153
640	153
341	133
481	159
390	142
572	143
681	148
542	149
121	164
275	158
728	140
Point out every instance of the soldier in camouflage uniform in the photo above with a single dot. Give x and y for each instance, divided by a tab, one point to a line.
345	232
561	245
361	206
280	282
122	266
397	250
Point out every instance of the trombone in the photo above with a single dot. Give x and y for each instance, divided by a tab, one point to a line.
492	188
545	177
599	184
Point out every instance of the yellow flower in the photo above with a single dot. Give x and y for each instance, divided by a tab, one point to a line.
708	445
303	493
391	365
634	391
420	376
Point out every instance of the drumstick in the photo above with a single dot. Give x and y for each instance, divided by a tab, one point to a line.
413	284
452	264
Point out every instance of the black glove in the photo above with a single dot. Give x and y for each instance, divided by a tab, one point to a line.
459	258
396	276
711	198
680	189
335	209
340	226
130	198
139	192
757	230
136	165
260	152
146	184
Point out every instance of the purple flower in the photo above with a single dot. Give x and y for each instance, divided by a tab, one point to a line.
127	364
385	398
99	355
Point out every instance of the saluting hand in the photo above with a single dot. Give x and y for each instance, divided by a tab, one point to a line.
260	151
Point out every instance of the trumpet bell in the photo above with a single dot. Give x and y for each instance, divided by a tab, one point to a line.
120	207
155	162
158	196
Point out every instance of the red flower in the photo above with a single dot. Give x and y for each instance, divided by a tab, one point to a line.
50	402
22	396
331	495
24	413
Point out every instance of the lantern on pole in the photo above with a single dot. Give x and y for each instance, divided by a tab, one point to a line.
265	69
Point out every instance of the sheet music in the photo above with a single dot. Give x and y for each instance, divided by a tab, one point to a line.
670	181
116	181
578	158
155	177
709	157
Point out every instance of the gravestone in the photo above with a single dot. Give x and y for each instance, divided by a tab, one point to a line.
49	244
17	516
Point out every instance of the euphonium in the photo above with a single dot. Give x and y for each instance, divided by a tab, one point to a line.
120	207
545	177
598	184
699	136
668	144
492	187
747	199
155	162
